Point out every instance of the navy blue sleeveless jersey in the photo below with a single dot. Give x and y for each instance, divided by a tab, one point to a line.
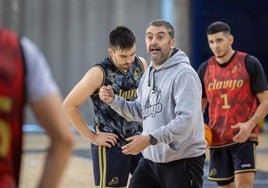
124	84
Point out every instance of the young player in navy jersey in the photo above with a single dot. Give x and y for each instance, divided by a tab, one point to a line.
236	89
122	69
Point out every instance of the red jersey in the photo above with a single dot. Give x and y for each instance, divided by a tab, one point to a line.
230	98
11	108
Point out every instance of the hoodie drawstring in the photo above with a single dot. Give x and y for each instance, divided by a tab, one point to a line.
149	78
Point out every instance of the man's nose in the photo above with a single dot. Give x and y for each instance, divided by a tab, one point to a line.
130	59
154	41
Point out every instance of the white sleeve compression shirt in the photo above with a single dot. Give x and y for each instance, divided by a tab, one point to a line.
39	80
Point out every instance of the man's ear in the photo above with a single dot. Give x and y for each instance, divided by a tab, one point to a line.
231	39
173	43
110	51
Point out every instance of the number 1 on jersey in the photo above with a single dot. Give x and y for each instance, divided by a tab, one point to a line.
225	101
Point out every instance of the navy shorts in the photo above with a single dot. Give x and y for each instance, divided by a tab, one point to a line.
111	167
227	161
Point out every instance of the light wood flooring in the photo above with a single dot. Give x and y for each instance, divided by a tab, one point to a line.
79	173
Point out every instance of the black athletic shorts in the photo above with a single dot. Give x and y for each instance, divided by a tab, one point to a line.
226	161
184	173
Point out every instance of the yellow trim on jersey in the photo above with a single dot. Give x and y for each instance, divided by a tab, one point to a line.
222	146
233	143
104	163
220	179
108	187
100	166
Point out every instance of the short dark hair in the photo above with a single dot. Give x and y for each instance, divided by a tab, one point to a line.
122	38
165	24
217	27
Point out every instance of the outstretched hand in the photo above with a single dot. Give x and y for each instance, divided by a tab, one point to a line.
106	94
136	144
243	133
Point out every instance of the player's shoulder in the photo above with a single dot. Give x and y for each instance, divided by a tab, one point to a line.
143	61
252	62
96	70
7	32
251	59
202	67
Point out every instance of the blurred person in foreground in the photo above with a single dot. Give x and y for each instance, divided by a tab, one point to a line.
122	69
236	89
169	107
25	78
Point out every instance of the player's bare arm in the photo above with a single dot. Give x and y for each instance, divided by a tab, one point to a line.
144	63
90	83
204	104
49	115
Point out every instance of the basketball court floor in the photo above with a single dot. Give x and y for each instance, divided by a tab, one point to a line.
79	172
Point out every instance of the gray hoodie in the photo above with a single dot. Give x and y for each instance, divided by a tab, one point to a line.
169	105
